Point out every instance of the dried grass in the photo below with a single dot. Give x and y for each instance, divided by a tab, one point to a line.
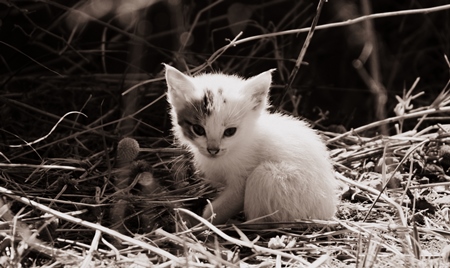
63	113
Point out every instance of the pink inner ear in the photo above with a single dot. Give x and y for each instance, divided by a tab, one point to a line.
180	86
175	79
257	88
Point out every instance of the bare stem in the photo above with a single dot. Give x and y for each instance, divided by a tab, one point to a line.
389	120
344	23
305	44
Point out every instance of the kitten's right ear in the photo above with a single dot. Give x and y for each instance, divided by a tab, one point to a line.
257	87
179	86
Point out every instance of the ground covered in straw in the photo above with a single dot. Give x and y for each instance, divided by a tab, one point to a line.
61	206
77	78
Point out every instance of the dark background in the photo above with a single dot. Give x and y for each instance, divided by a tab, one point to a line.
54	59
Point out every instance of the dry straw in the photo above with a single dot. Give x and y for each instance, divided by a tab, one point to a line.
57	186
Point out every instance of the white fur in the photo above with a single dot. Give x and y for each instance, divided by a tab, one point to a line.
274	165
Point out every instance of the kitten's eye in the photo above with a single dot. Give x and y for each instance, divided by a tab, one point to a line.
229	132
199	130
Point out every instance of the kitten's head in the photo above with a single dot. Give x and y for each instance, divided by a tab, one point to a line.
214	114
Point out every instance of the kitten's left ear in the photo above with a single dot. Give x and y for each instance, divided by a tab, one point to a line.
257	87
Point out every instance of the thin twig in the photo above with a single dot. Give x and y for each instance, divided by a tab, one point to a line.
305	44
194	24
195	70
342	23
389	120
48	134
93	248
11	165
33	60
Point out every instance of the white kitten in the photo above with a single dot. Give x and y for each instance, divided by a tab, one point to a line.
270	164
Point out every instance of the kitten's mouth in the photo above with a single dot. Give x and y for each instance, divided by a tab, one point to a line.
214	153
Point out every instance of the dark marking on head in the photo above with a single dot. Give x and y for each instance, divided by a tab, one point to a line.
195	112
220	95
188	116
207	106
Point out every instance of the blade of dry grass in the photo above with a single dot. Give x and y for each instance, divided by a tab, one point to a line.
11	165
87	262
388	121
33	60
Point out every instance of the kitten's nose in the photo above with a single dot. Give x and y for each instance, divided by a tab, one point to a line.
213	151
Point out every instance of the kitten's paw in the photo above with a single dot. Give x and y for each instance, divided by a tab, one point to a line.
207	213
